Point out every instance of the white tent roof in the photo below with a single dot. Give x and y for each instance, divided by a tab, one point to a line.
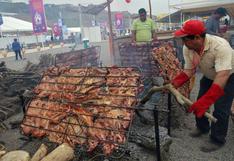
205	5
74	29
11	24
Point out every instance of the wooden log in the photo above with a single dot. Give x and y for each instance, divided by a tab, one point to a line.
40	153
18	155
3	152
62	153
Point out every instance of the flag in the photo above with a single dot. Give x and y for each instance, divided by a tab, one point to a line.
56	29
38	16
119	21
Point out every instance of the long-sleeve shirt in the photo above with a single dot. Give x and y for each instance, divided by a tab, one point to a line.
16	46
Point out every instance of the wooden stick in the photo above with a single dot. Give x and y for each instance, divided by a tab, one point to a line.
153	90
40	153
179	97
62	153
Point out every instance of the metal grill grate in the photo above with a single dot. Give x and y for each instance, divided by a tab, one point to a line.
85	106
80	58
139	56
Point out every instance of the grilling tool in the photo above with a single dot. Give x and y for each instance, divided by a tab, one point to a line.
179	97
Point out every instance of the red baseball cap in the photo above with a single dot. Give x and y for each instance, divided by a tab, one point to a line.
191	27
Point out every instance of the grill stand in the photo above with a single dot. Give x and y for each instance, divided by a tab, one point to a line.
156	125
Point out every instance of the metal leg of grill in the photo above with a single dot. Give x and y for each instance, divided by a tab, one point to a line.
169	114
157	139
156	125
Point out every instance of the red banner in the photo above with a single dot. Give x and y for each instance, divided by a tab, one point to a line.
56	29
119	21
38	16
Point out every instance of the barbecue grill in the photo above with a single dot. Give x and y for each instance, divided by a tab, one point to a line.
80	58
99	95
138	56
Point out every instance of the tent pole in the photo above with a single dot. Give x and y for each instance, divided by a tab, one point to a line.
112	54
37	39
42	43
150	8
169	10
81	22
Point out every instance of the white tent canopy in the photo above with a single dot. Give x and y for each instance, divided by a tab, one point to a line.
74	29
11	24
205	5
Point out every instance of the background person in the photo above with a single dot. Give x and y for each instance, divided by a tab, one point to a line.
213	22
143	28
16	47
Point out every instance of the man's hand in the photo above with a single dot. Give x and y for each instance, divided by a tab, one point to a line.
198	109
180	79
210	97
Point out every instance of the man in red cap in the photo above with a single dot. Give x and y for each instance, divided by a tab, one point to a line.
215	58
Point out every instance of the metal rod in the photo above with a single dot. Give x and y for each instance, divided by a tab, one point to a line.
112	54
95	84
114	76
157	136
169	114
83	94
99	117
64	133
82	105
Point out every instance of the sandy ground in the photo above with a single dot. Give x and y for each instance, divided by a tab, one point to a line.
183	148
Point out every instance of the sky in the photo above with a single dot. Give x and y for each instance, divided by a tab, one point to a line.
158	6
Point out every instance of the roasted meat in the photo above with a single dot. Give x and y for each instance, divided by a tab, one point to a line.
86	106
169	65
